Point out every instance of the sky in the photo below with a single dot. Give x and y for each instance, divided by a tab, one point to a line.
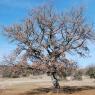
14	11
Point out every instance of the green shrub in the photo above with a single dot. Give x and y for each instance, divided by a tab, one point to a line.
78	75
91	72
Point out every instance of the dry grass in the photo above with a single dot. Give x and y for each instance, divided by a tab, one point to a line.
28	86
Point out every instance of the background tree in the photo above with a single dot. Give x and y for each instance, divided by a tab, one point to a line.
13	67
47	36
78	75
91	71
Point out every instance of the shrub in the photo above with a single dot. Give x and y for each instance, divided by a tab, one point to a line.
6	74
78	75
91	72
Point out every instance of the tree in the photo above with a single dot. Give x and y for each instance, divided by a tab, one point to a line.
64	69
13	67
47	36
78	75
91	72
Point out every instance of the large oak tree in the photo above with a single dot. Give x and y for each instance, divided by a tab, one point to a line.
46	36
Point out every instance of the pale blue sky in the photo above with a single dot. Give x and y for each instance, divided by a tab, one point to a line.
14	11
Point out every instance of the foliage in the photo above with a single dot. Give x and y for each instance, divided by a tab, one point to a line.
16	71
91	71
78	75
47	36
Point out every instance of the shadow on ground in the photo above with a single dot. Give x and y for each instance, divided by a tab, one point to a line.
65	90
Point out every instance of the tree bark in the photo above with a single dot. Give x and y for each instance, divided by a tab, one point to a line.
55	80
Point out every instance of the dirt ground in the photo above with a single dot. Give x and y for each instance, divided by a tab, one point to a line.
42	86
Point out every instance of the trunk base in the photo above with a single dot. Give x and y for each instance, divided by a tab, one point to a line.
56	85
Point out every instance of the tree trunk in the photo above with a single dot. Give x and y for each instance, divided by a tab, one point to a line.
55	80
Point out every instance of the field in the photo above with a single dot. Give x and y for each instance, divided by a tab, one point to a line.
41	85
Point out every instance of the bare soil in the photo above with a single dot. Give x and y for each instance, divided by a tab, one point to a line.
42	86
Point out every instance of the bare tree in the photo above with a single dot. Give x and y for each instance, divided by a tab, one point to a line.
47	36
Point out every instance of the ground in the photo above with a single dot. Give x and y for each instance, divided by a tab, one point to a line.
42	86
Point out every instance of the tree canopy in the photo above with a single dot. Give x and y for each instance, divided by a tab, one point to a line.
46	35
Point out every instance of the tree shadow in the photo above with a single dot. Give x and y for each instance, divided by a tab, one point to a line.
64	89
